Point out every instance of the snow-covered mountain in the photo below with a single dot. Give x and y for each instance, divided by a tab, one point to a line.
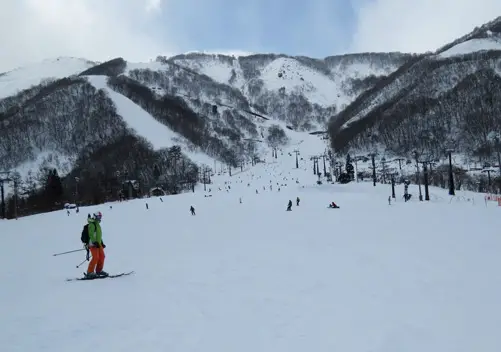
327	83
65	113
170	118
436	101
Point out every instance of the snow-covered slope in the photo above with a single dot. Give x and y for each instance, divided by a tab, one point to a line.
24	77
291	75
298	92
430	101
472	46
159	135
249	276
283	72
321	82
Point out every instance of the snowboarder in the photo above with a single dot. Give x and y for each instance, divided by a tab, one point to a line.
192	210
289	206
96	246
297	201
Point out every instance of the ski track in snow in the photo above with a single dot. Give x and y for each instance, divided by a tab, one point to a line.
252	277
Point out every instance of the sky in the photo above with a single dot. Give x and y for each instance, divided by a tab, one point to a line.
140	30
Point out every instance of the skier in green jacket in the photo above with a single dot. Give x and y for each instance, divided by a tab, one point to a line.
96	246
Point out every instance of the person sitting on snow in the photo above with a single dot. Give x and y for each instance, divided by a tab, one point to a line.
333	205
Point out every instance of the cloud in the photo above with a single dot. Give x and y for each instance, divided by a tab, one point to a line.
153	5
417	25
32	30
139	30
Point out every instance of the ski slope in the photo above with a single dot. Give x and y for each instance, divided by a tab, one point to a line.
21	78
159	135
252	277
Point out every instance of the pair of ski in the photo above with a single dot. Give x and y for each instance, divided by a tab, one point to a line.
100	277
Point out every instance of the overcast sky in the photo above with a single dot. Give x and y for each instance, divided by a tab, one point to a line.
139	30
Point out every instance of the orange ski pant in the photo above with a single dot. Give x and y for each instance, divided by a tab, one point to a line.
97	261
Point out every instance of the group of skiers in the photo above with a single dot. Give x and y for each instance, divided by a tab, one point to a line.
289	205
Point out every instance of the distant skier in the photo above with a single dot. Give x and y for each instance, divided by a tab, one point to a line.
333	205
96	246
289	206
407	195
297	201
192	210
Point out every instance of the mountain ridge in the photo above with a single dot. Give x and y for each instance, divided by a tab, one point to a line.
419	90
235	109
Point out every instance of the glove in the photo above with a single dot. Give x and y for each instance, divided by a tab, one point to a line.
103	245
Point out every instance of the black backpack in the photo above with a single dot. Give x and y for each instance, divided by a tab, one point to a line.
85	234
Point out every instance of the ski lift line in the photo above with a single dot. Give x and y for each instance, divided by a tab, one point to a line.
198	75
231	107
194	73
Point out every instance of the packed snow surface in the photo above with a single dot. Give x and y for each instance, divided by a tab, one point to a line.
250	276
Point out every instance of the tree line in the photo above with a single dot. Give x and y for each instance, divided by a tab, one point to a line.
128	167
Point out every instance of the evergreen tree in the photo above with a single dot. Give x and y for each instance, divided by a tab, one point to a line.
156	173
54	186
350	170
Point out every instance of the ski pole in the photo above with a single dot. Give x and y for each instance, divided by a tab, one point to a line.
79	265
87	257
76	250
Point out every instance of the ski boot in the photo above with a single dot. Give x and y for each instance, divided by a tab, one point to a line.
102	273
